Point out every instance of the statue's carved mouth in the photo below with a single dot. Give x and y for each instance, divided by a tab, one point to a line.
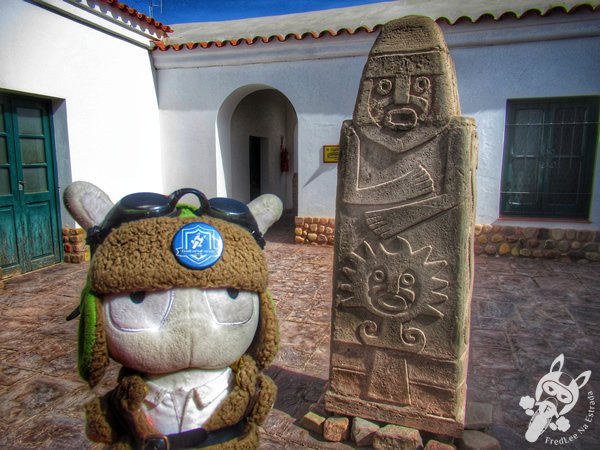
392	303
401	119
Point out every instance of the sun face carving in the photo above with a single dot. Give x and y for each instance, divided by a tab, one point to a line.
392	282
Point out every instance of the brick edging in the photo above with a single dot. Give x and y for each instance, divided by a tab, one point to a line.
74	246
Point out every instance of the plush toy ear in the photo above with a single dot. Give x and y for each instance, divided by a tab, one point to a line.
267	210
87	203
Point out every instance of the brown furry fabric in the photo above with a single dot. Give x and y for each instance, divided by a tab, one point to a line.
266	400
138	256
266	343
128	398
98	423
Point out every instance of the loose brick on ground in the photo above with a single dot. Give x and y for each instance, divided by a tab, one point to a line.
395	437
336	429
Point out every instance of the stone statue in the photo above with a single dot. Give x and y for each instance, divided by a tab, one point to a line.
403	253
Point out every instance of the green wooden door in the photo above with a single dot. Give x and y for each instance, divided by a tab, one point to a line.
30	237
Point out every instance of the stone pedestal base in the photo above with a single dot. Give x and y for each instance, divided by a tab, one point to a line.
384	412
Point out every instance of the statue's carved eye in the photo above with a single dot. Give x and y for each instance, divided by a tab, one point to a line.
233	293
379	275
384	86
139	311
407	279
422	84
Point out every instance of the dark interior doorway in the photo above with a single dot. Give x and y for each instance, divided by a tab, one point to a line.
254	163
243	164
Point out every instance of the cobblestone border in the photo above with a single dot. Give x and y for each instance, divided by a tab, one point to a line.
314	230
495	240
554	243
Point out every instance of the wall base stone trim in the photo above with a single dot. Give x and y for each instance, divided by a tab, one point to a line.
568	245
75	249
314	230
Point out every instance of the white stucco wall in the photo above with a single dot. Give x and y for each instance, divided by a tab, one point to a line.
103	94
489	75
495	61
192	96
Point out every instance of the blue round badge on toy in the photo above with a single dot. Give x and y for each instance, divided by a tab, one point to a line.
197	245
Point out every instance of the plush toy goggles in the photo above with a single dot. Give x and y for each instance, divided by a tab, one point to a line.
145	205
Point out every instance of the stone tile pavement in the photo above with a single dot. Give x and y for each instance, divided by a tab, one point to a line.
525	313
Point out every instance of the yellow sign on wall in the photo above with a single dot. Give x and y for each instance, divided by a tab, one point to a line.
331	153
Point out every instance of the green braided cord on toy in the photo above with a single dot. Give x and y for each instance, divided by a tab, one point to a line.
87	331
186	211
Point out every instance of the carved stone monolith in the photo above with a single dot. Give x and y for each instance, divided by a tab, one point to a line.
403	249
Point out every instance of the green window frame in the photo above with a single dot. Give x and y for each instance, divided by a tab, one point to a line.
550	149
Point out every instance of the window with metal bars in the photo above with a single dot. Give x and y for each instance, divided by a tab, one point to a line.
549	153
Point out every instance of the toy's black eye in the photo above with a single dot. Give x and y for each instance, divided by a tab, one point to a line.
139	311
233	293
137	297
232	306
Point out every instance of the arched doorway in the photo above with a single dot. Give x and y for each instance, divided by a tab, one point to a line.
254	129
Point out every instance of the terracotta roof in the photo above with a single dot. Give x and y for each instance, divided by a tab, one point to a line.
357	19
135	13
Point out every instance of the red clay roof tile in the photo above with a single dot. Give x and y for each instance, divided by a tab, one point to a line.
135	13
164	46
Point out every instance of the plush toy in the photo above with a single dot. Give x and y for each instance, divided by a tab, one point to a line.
177	295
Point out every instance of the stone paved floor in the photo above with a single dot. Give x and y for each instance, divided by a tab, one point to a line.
525	313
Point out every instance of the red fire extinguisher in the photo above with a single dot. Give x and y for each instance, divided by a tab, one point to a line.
284	161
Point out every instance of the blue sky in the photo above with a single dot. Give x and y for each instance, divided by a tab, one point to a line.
182	11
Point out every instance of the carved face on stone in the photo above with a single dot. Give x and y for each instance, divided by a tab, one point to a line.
392	289
393	281
401	95
407	94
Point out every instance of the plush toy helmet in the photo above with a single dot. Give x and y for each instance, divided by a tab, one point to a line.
146	242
